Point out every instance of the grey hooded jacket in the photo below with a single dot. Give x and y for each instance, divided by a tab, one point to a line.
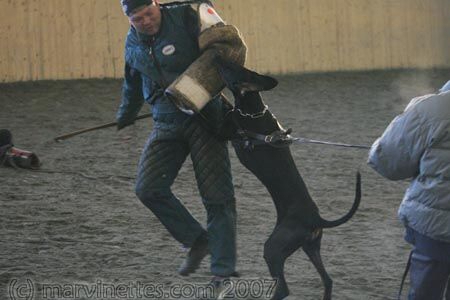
417	145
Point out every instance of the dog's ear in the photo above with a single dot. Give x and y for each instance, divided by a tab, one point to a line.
239	79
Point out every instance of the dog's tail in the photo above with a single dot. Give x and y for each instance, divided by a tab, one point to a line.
329	224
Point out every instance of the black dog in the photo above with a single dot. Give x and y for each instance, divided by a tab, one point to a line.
251	127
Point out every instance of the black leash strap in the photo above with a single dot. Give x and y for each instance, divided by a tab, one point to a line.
408	266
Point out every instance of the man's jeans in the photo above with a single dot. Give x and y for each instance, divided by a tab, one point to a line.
428	278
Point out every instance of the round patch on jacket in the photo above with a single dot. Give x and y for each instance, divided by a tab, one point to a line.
168	50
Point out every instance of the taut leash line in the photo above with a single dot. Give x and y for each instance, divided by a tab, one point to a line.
309	141
282	138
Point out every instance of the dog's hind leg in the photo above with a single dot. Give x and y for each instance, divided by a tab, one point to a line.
276	268
312	249
285	240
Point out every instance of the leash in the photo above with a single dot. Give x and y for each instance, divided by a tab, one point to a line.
279	138
298	140
282	138
408	266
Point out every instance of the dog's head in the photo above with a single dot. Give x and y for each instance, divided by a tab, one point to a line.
241	80
245	85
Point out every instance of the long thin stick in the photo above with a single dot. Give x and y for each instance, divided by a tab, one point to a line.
111	124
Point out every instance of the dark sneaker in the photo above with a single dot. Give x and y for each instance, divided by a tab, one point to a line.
195	256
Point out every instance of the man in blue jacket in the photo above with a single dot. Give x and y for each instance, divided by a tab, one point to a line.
166	46
417	145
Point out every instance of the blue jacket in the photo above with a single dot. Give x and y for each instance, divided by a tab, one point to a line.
417	145
150	68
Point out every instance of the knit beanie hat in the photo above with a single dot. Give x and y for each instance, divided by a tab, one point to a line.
129	6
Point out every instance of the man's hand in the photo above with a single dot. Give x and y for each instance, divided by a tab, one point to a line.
125	120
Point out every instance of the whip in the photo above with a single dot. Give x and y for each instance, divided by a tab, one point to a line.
111	124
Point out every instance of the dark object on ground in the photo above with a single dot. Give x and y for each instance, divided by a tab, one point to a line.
298	221
14	157
5	137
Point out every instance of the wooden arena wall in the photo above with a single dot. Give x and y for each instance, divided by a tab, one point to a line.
67	39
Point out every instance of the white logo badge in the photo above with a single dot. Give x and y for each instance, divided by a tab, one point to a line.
168	50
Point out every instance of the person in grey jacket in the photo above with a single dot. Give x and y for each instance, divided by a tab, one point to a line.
417	145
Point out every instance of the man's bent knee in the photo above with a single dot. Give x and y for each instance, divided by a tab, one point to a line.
148	194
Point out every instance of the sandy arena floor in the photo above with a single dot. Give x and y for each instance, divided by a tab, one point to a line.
79	222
